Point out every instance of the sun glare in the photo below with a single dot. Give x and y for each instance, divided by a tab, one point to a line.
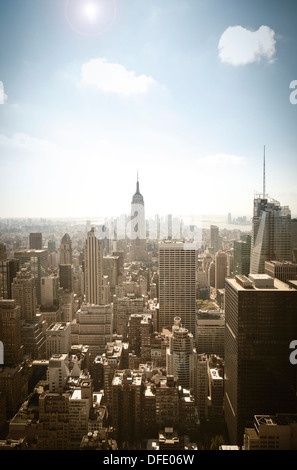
90	11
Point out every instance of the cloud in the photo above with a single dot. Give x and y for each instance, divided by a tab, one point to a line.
24	142
3	96
240	46
114	78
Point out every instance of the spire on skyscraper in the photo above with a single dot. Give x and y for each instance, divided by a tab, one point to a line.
264	176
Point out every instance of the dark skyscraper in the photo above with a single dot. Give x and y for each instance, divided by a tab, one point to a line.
35	241
261	322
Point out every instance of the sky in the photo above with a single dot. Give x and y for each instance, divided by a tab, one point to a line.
186	93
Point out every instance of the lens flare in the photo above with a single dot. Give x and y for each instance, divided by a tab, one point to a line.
90	17
91	12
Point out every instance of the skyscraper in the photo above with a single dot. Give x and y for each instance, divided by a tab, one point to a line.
220	270
180	355
271	234
138	226
35	241
242	255
24	293
10	331
66	250
261	321
93	269
177	285
38	263
271	231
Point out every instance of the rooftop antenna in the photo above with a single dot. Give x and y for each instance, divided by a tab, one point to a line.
264	188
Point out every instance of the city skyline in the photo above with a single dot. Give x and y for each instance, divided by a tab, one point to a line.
89	97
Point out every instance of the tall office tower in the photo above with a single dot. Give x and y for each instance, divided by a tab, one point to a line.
3	254
66	250
66	276
10	331
127	390
294	239
93	269
35	241
214	238
38	263
24	293
180	355
111	268
8	271
261	321
242	255
271	234
177	285
67	305
138	227
220	270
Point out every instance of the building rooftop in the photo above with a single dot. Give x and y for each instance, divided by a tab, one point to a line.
258	282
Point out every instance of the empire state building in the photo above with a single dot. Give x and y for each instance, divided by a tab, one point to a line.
138	227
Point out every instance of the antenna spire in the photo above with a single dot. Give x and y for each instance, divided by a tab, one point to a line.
264	176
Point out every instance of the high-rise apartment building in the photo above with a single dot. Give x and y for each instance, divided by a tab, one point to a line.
93	268
261	322
271	234
177	285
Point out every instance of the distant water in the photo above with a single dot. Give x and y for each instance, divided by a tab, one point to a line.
222	222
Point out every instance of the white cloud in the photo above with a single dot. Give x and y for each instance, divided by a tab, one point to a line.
240	46
114	78
23	141
3	96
